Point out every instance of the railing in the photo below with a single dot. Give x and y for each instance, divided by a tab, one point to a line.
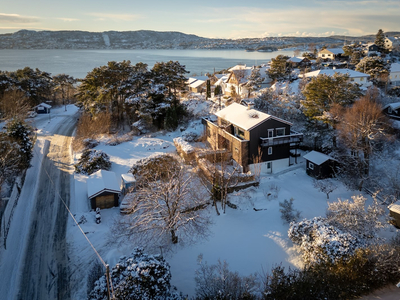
284	139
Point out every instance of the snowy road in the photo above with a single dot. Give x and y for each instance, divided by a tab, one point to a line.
36	259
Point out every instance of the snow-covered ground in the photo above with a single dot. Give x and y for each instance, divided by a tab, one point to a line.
249	240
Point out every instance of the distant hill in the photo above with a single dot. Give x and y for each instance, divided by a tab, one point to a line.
147	39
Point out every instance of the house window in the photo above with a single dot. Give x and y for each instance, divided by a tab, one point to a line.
323	55
269	150
362	79
270	133
280	131
311	165
390	110
236	150
351	79
208	132
269	165
239	132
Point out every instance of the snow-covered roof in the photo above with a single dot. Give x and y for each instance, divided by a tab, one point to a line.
239	67
128	177
317	158
102	181
395	207
331	72
219	76
394	106
196	83
296	59
244	117
335	51
395	67
43	105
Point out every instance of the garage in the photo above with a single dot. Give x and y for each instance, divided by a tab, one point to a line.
103	189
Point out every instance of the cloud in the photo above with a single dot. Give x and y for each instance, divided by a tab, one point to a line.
15	18
67	19
115	17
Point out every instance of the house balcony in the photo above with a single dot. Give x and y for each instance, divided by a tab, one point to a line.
292	138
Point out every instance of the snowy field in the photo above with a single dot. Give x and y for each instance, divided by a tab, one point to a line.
251	241
252	238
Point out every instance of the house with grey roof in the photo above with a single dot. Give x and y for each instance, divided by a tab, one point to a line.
255	139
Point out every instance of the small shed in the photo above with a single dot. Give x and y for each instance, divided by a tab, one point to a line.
42	108
320	165
392	110
128	183
394	212
103	189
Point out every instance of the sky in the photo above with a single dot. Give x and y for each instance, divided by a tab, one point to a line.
213	19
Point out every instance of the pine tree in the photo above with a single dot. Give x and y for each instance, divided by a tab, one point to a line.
380	39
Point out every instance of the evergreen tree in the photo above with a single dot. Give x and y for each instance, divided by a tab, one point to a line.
20	133
380	40
375	66
280	68
208	92
324	91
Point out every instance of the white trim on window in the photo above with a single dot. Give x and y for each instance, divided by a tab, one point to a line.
310	165
279	131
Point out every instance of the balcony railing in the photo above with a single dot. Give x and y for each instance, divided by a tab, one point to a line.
284	139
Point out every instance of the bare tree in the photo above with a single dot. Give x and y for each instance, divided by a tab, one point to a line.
165	209
361	127
14	104
326	186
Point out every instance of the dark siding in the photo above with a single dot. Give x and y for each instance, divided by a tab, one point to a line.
325	170
278	151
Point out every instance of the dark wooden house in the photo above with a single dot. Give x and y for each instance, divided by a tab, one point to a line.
103	189
319	165
253	137
42	108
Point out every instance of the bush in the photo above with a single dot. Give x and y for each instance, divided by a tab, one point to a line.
92	161
146	169
218	282
139	276
21	134
288	213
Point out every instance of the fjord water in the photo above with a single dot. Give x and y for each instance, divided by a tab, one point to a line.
78	63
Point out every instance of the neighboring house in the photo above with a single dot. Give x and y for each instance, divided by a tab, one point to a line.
332	54
394	213
255	139
319	165
370	49
299	62
197	84
394	75
392	110
239	77
391	42
356	77
103	189
42	108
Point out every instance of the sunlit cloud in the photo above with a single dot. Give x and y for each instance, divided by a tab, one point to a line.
67	19
115	17
15	18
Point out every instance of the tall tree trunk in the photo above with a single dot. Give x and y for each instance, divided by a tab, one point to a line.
174	237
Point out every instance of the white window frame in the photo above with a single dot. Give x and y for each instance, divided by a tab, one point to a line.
269	150
281	128
270	133
269	164
310	165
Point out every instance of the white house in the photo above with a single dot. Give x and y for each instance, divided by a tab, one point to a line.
391	42
197	84
394	75
356	77
333	53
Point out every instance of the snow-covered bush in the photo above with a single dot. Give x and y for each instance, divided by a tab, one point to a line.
140	276
218	282
92	161
354	217
288	213
90	143
145	169
321	242
190	137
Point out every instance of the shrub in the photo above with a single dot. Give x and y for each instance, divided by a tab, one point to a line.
288	213
92	161
139	276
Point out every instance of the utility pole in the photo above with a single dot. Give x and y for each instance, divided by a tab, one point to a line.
108	281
